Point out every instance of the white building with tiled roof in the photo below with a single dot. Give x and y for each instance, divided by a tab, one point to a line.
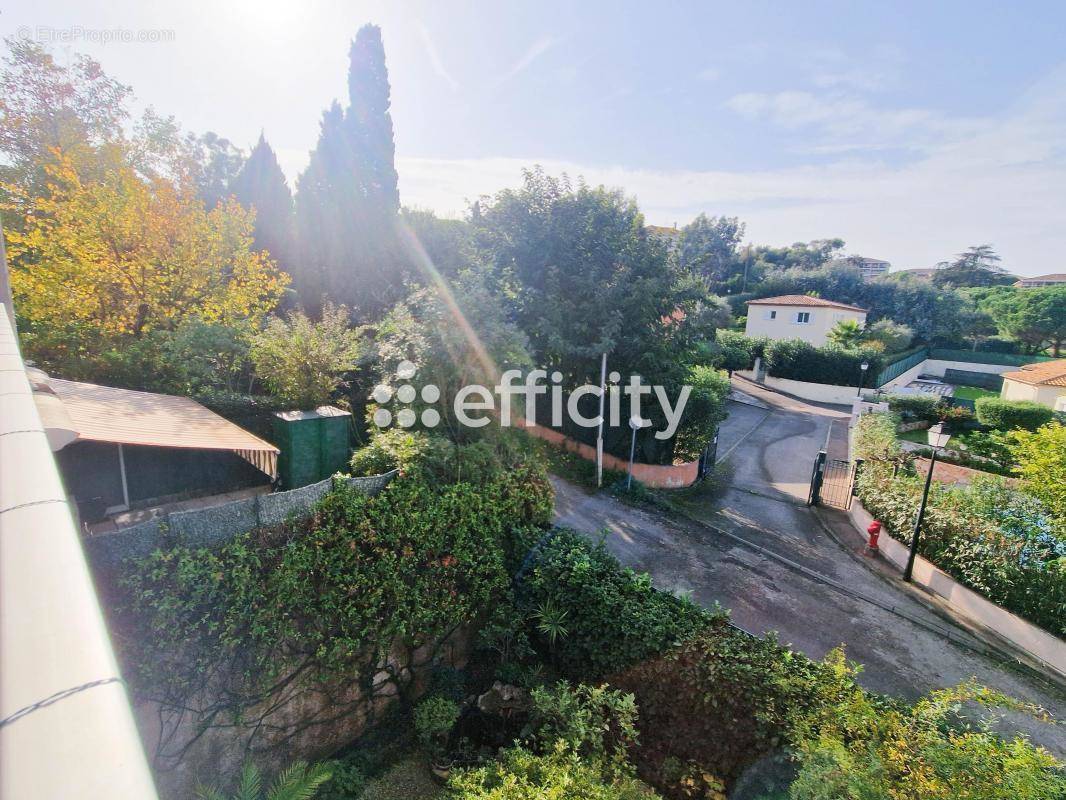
1043	383
797	316
1055	279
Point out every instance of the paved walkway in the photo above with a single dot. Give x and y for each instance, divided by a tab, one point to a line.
766	465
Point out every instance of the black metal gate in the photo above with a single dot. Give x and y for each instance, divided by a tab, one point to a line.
832	482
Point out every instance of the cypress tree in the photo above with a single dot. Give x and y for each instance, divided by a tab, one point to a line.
261	185
347	199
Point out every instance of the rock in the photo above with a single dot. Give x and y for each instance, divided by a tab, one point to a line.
503	699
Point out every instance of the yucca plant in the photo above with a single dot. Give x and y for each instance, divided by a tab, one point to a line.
299	781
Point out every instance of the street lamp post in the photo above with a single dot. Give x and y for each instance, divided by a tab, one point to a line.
635	423
937	439
865	365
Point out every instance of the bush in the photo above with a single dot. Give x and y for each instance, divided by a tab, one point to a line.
800	361
522	775
724	699
874	437
704	412
346	783
919	406
612	616
302	362
1041	457
895	338
596	722
261	609
998	541
434	719
1006	415
860	750
739	351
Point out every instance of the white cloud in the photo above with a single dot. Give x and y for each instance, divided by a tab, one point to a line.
993	180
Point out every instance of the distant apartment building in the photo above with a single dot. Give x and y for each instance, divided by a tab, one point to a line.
1054	279
869	268
797	316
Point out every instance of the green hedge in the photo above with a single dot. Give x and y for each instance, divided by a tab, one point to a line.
999	542
1006	415
923	406
1003	359
800	361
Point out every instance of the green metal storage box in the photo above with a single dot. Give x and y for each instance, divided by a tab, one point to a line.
313	444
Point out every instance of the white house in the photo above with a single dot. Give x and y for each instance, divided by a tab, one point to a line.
797	316
1043	383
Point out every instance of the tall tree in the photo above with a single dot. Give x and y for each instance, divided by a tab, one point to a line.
1036	317
709	248
213	163
978	266
347	200
260	185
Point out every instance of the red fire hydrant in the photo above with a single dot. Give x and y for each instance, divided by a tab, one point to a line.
874	529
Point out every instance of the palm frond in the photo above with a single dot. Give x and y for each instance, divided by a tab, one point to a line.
251	783
299	781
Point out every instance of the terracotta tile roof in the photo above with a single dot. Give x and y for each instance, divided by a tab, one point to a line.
1046	373
802	300
1057	277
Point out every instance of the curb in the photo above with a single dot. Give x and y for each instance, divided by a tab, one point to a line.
999	649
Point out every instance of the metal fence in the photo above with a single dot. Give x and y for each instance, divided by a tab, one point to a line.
906	361
205	527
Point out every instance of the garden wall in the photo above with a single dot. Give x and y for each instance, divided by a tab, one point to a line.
817	392
658	476
306	720
1046	649
206	527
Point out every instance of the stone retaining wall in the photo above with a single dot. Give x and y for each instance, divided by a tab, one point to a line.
206	527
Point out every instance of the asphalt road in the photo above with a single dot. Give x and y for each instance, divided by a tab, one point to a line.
766	463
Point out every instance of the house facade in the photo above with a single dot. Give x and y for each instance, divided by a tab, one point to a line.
797	316
1055	279
1043	383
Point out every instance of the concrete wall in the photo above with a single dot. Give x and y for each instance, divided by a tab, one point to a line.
784	326
1046	649
934	366
817	392
658	476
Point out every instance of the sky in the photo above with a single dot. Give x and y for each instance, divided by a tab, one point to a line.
910	130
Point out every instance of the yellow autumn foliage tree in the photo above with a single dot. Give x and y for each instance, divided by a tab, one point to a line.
125	254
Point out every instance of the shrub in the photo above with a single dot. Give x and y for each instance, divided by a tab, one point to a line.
596	722
926	751
1041	457
874	437
800	361
704	412
918	406
996	540
301	361
522	775
434	719
723	700
258	611
1008	415
895	338
614	616
346	783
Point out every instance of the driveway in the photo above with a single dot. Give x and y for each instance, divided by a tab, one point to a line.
905	648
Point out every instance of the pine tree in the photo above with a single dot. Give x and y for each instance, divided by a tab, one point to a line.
261	185
347	200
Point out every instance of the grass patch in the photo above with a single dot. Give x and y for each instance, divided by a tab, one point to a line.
920	436
973	393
